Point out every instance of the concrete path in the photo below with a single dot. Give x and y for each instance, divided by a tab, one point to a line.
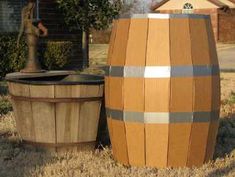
226	54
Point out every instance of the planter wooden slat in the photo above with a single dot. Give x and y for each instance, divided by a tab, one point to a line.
55	115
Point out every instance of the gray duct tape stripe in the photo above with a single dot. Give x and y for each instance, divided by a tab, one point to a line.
202	70
215	70
134	117
168	16
181	117
163	117
132	71
106	70
215	115
116	71
161	71
107	112
181	71
202	116
114	114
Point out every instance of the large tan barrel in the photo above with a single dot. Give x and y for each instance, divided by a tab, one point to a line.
57	112
163	90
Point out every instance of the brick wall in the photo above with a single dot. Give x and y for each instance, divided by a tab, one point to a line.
212	12
101	37
227	26
58	31
10	19
214	19
10	15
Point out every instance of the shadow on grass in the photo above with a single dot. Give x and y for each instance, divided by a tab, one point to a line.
224	171
17	160
103	134
3	88
226	137
225	145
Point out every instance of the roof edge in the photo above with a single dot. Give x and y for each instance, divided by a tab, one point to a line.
232	1
218	3
158	4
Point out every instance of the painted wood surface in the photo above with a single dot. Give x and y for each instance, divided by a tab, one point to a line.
149	114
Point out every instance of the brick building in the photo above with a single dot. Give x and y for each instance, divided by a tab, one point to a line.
10	19
222	14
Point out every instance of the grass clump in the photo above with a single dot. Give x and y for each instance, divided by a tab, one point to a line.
5	106
231	99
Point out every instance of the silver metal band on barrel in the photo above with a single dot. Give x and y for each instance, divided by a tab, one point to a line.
162	117
161	71
169	16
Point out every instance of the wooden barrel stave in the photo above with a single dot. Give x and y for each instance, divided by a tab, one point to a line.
119	141
120	44
198	136
89	121
112	39
133	88
43	112
156	144
22	109
135	135
67	122
158	53
136	51
44	122
115	93
24	118
168	149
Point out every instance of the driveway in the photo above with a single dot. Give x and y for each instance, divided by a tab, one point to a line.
226	54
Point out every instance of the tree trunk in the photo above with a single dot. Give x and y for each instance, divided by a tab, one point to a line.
85	48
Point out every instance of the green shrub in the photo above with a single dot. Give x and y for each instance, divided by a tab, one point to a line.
5	106
57	54
11	57
54	55
231	99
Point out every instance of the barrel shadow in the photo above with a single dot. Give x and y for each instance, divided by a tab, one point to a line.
222	171
225	145
3	88
18	160
226	137
103	133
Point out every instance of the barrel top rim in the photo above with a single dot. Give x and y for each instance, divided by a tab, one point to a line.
92	80
167	16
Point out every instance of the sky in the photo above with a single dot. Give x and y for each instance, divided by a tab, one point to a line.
140	6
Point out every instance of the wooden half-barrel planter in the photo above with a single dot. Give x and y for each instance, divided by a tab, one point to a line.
57	111
162	90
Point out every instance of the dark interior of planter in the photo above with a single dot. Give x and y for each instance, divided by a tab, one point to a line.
62	79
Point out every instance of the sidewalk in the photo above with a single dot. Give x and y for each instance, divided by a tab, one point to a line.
226	55
221	46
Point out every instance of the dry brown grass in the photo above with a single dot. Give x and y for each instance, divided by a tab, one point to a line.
18	160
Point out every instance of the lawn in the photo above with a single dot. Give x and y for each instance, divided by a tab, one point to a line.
18	160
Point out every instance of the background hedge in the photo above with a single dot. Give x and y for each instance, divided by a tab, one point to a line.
11	57
52	54
56	54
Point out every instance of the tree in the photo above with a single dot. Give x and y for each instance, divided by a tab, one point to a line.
86	14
